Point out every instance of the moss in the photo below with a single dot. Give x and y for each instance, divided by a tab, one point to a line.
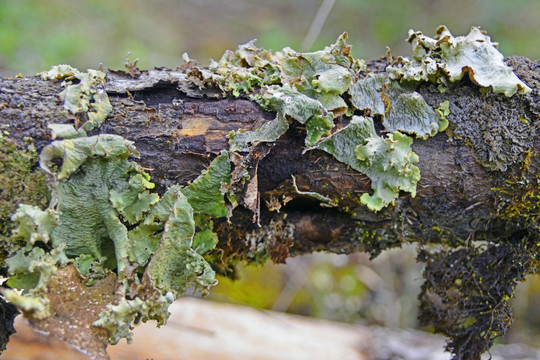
467	294
20	182
519	199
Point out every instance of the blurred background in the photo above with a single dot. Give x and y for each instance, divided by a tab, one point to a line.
36	34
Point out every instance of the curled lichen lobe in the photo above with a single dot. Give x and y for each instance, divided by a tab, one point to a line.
446	59
104	218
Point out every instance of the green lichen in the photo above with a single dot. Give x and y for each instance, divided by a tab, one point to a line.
175	265
325	201
30	269
103	217
398	105
206	193
443	111
315	88
83	93
308	87
118	318
97	189
388	162
445	59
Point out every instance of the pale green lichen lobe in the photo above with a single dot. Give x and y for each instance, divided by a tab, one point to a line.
446	59
103	217
388	162
83	93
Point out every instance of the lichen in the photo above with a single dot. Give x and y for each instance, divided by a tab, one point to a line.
83	93
325	201
271	241
206	193
106	231
308	87
445	59
399	106
104	218
388	162
315	88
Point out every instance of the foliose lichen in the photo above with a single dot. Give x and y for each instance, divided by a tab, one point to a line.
445	59
389	162
84	93
103	218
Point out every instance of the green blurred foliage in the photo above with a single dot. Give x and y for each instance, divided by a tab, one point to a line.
35	35
334	287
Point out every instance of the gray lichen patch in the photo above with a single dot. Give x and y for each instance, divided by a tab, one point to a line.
500	130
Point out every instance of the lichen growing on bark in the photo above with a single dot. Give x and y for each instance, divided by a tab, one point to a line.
103	218
84	93
389	162
446	59
106	225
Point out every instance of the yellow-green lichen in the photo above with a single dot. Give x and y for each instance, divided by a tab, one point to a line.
83	93
389	162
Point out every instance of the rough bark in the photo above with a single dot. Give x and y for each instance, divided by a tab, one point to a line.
178	132
178	129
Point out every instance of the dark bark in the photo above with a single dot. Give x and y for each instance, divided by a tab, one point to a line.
178	133
179	129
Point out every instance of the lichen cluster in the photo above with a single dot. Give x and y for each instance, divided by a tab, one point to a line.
103	218
445	59
316	88
83	94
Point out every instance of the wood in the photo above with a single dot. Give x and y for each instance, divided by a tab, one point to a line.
179	129
200	330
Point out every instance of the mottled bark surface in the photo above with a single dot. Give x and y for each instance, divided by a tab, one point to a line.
178	133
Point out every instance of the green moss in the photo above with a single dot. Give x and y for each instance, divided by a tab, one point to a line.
20	182
519	200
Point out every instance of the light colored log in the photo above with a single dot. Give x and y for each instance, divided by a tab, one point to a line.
203	330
